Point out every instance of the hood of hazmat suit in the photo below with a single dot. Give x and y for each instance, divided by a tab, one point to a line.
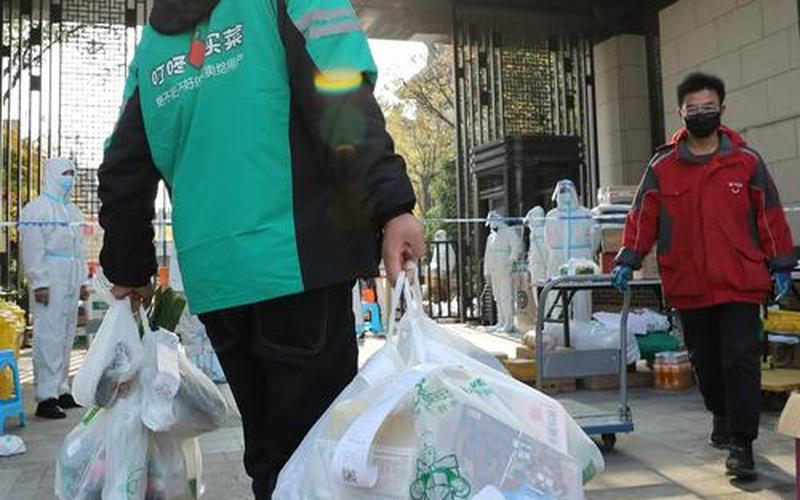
537	251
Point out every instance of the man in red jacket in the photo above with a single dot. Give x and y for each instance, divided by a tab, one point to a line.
710	203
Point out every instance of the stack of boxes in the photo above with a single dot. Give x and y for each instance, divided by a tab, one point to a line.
613	201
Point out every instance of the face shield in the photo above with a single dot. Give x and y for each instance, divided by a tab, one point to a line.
565	196
493	220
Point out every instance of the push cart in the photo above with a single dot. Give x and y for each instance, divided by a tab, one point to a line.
590	363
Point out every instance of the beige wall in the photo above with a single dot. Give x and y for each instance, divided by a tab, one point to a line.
623	112
754	46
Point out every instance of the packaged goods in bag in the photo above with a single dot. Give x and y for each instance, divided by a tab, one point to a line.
424	419
105	455
173	469
126	449
113	358
188	408
80	469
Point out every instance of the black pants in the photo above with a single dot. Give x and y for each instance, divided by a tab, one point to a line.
723	345
286	360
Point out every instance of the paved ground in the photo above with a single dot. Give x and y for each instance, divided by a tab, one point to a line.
665	458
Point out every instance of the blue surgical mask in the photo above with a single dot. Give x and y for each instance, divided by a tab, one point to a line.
66	183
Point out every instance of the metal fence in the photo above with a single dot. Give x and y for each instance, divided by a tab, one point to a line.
441	280
62	70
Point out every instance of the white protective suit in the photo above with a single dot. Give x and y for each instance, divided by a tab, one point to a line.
503	247
54	257
570	232
442	268
538	251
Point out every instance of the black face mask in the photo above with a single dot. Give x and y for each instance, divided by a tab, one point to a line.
703	125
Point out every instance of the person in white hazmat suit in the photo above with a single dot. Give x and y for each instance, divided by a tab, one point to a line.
503	247
570	232
442	268
537	251
54	261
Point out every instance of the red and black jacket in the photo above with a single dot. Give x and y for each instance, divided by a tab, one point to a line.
718	221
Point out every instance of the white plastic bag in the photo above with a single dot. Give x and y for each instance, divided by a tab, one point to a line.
637	323
173	469
198	347
11	445
196	408
595	335
126	443
105	455
80	469
113	358
424	420
109	455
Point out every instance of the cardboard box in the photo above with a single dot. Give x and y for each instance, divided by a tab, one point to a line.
611	382
523	370
500	356
560	385
607	262
789	423
525	352
617	195
649	268
611	240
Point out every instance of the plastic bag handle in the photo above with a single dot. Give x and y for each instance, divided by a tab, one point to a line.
102	286
351	464
407	286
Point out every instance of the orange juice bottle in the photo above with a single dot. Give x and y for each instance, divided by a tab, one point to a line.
658	372
676	377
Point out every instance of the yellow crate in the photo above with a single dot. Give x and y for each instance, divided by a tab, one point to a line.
12	325
6	384
783	321
9	335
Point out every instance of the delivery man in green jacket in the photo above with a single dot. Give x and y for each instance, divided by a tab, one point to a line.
259	117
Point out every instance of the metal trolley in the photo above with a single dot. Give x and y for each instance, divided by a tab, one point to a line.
579	364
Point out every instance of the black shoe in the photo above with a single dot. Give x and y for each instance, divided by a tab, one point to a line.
740	461
49	409
67	402
720	441
720	435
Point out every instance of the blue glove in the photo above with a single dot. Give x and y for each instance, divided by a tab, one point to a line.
783	284
620	277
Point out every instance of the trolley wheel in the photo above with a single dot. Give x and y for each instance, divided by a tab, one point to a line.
609	441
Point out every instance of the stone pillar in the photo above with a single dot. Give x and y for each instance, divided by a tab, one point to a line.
623	109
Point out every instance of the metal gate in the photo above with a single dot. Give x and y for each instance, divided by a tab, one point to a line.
518	72
62	69
441	280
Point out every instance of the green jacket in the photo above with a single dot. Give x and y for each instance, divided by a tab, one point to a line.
260	118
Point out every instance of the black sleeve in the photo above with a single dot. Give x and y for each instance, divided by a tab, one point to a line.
128	183
349	132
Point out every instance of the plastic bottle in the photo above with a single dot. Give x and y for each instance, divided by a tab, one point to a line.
657	373
675	382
